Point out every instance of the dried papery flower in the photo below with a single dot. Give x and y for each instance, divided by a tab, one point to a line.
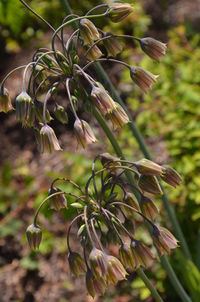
5	101
88	31
95	286
117	116
116	271
84	133
34	236
77	264
126	256
119	11
57	202
153	48
24	109
143	78
112	45
98	262
150	184
148	167
102	100
171	176
61	114
149	209
143	254
94	53
164	240
49	141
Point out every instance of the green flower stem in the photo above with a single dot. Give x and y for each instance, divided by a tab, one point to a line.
149	285
136	133
171	274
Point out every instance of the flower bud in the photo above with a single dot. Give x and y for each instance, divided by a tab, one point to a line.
61	114
5	101
118	116
149	209
49	141
116	271
94	53
149	184
77	264
34	236
95	286
62	62
88	31
102	100
164	240
112	46
24	109
84	133
142	254
148	167
57	202
143	78
49	61
171	176
153	48
98	262
126	256
119	11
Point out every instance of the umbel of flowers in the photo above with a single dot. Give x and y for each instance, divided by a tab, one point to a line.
69	62
106	213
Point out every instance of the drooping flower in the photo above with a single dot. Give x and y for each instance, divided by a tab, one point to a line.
141	254
102	100
148	167
57	202
116	271
34	236
95	286
153	48
48	140
171	176
164	240
143	78
148	207
88	31
112	45
119	11
94	53
126	256
5	101
61	114
77	264
84	133
150	184
117	116
25	109
98	262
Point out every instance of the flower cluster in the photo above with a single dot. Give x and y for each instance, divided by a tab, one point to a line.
70	63
106	213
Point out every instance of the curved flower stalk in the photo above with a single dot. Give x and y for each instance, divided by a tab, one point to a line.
99	219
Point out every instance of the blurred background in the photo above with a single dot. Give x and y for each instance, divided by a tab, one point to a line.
168	117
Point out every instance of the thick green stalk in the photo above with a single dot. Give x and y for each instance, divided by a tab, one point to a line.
136	133
171	274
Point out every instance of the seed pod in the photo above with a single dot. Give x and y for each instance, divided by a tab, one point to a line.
149	184
61	114
95	286
5	101
171	176
148	167
112	45
149	209
34	236
94	53
119	11
98	263
49	141
88	31
25	109
153	48
102	100
57	202
84	133
143	78
116	271
77	264
164	240
118	117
